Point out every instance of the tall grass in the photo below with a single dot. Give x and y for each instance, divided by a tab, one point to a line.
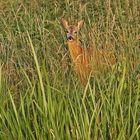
40	95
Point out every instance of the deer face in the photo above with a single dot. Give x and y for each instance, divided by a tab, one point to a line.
72	30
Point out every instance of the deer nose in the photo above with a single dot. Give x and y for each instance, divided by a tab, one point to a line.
69	36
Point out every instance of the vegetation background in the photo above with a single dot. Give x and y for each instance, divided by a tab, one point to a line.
40	95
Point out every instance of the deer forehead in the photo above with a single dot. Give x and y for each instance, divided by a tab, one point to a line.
72	28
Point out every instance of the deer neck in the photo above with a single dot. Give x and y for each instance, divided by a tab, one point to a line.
75	49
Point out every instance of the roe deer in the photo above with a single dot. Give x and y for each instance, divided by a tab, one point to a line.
85	59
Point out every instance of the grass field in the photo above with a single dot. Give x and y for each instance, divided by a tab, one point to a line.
40	95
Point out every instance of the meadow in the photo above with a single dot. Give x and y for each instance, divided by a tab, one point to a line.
41	97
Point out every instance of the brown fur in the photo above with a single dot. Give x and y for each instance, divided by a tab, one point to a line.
86	60
81	60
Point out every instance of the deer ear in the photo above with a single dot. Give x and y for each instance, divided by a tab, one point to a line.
64	23
80	23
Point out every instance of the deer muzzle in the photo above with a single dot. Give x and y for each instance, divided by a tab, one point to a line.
69	36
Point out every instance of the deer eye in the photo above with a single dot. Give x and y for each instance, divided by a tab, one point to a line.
75	32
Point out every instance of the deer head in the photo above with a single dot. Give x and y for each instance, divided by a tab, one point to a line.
72	30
